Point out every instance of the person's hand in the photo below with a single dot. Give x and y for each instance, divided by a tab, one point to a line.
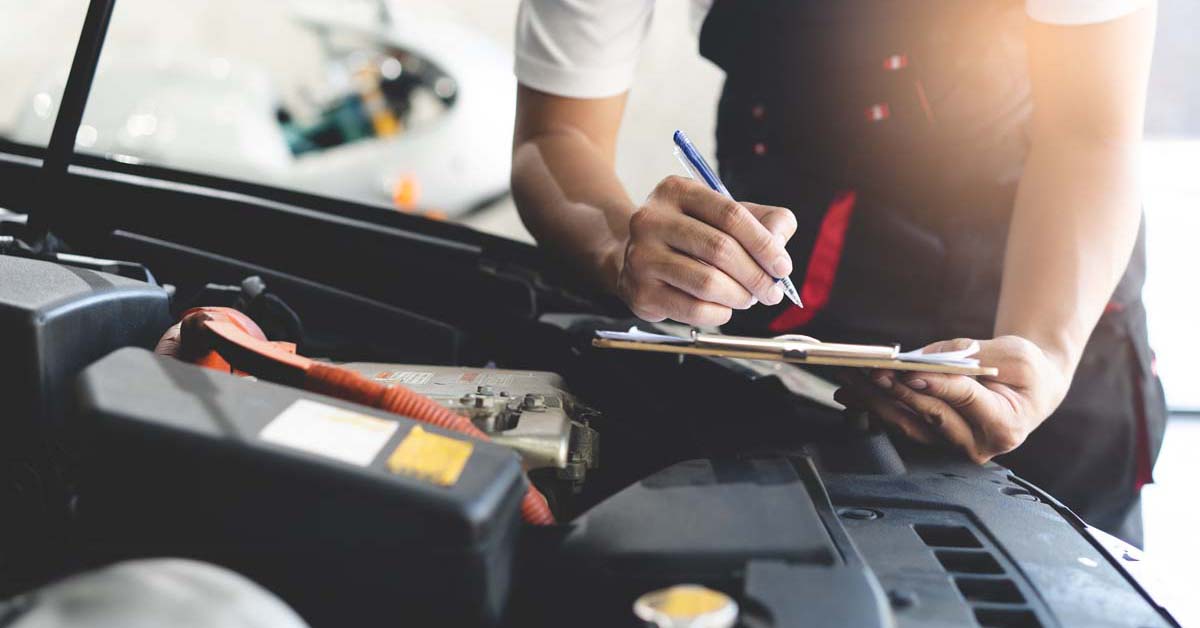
983	417
694	256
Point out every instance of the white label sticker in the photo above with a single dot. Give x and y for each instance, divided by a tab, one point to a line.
329	431
408	378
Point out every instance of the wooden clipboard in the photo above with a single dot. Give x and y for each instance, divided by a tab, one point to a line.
777	356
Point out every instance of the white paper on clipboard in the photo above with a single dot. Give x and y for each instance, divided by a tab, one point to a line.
960	357
636	335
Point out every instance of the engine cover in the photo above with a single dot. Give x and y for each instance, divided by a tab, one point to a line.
937	544
56	319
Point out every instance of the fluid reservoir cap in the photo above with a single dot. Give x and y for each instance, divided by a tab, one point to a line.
687	606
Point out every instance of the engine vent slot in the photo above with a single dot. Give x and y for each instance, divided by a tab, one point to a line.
968	562
1006	618
947	536
989	590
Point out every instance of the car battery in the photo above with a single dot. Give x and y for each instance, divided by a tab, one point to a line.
352	515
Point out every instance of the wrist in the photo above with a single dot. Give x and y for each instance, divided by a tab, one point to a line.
610	261
1061	356
1057	342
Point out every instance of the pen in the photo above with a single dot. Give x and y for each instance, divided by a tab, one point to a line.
696	167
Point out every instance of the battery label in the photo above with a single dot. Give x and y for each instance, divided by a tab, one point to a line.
407	378
329	431
432	457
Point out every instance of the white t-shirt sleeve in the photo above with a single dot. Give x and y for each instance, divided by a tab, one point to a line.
590	48
1081	11
580	48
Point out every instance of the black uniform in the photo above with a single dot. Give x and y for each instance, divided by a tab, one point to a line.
897	132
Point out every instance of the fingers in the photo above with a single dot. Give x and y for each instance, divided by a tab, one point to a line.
685	308
696	239
966	395
860	395
939	416
780	221
732	218
899	418
655	301
702	281
977	418
959	391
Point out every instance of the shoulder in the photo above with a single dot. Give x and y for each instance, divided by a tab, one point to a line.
580	48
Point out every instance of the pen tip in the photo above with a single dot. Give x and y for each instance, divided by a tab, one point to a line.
789	290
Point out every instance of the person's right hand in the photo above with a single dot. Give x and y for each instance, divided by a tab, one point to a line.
694	256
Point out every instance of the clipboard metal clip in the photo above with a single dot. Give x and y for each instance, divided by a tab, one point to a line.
795	346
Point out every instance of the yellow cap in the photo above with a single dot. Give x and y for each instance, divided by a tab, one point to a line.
687	606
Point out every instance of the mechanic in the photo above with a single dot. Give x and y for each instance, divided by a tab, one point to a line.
950	170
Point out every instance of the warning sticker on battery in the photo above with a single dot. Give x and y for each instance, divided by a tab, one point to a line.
433	457
329	431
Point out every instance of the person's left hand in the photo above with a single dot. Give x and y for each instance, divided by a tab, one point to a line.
983	417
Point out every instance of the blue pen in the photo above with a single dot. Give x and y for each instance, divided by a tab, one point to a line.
699	169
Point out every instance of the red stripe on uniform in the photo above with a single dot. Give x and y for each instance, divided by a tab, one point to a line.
822	265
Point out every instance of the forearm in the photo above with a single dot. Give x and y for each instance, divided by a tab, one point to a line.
1073	229
570	199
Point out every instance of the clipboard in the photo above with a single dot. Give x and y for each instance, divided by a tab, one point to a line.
793	349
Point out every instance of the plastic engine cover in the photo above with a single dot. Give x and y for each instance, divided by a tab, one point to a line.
761	529
56	319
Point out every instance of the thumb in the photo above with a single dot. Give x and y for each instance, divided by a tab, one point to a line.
942	346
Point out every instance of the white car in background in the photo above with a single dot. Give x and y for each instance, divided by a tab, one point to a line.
412	112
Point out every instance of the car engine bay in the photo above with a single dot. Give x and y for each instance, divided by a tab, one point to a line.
383	419
659	470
